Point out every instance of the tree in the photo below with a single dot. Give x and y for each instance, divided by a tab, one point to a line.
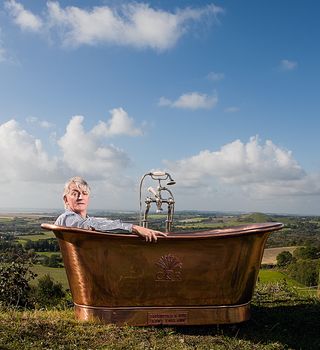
305	272
284	259
308	252
54	260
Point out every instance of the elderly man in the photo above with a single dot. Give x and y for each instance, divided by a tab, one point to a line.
76	199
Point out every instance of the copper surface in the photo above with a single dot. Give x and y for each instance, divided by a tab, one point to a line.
203	277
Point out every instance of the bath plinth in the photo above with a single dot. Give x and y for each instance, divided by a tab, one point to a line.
188	278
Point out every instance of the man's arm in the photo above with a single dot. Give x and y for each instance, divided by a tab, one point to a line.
146	233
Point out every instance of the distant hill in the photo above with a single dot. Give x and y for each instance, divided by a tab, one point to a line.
255	217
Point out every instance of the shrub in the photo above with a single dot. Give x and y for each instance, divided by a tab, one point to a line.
48	293
14	283
54	260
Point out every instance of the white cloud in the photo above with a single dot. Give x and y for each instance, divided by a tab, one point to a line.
239	164
134	24
30	177
287	65
238	176
85	153
214	76
119	124
22	155
42	123
45	124
191	100
308	185
25	19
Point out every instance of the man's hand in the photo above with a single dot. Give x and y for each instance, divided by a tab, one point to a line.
146	233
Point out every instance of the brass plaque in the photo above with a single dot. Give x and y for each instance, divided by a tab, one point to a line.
157	318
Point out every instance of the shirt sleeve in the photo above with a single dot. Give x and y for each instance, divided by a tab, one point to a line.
71	219
105	225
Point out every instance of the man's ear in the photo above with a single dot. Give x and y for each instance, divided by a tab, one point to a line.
65	200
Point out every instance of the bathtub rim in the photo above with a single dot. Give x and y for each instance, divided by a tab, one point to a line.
232	231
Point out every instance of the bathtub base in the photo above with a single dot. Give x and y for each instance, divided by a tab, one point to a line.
155	316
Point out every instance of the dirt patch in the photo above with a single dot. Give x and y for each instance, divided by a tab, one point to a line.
270	254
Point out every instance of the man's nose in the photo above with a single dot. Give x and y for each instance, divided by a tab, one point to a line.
80	195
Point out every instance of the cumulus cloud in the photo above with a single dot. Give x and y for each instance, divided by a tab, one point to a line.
29	169
84	152
22	155
25	19
287	65
191	100
134	24
42	123
308	185
246	165
238	176
119	124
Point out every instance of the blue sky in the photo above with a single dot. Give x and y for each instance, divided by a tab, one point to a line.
223	95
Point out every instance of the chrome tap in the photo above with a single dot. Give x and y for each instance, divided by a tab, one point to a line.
156	197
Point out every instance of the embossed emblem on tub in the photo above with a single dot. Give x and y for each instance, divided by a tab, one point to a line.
169	268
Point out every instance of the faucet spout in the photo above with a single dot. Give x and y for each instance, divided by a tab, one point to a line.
157	198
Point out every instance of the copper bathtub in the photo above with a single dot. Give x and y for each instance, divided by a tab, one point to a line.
188	278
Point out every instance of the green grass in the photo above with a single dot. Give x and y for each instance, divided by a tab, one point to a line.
48	254
157	216
274	276
271	276
192	220
58	274
45	235
290	322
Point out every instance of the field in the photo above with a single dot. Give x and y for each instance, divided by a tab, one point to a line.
270	254
45	235
58	274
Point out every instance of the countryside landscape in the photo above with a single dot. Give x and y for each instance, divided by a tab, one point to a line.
214	104
39	315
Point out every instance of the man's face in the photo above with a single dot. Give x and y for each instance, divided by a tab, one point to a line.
77	199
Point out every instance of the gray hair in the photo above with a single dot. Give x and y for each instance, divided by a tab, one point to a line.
80	182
